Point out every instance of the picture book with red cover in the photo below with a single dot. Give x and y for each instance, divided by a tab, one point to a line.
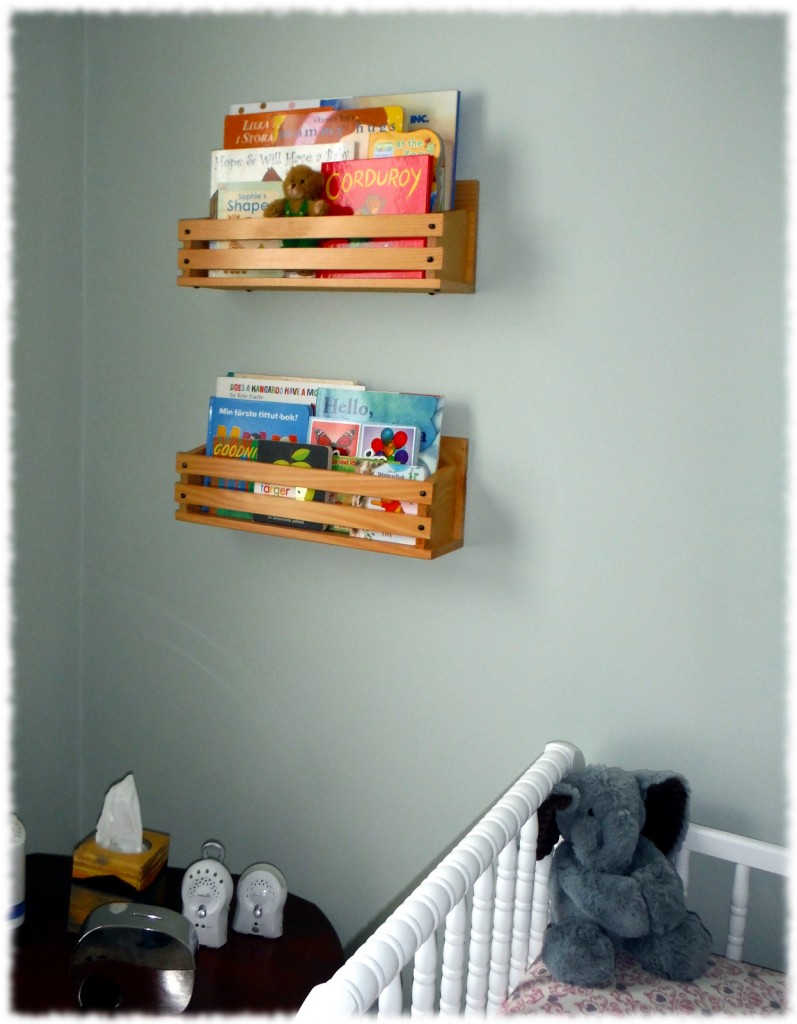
376	186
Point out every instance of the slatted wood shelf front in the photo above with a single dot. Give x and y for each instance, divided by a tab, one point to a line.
437	529
448	260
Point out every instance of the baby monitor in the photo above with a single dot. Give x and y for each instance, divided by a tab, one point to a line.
207	892
260	899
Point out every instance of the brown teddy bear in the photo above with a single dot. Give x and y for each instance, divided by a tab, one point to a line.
302	190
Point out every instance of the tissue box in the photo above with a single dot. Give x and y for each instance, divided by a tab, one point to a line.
102	876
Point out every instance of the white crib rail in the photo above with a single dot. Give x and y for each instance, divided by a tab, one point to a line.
744	853
488	897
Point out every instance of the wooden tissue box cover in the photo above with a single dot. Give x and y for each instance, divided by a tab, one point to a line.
102	876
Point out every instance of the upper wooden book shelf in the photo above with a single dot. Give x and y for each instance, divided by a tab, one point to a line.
448	260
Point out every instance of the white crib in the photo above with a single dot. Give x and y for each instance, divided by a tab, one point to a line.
463	940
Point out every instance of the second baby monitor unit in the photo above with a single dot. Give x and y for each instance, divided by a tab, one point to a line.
260	899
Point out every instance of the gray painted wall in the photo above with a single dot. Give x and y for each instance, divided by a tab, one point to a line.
619	372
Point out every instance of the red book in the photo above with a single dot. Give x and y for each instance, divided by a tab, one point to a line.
381	185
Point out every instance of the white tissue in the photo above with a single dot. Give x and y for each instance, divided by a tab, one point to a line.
119	825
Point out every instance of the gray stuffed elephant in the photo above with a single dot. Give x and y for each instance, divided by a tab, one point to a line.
613	878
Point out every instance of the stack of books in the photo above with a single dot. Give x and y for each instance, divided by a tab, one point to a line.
378	154
323	423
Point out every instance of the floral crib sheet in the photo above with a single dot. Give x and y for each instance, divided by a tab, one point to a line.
726	987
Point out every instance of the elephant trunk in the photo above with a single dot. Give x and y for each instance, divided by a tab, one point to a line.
617	842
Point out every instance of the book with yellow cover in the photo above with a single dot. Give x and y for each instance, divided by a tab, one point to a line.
421	142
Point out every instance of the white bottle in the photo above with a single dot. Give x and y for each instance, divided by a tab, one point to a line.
16	912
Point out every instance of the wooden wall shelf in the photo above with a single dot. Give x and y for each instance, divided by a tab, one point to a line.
437	529
448	260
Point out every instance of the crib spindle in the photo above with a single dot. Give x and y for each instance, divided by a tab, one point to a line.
424	978
524	888
453	960
390	1002
506	873
539	909
480	936
740	898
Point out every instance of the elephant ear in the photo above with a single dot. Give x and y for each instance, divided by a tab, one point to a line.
666	799
562	796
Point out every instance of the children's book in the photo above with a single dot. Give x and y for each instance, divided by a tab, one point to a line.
373	243
306	456
394	507
232	448
271	421
386	185
436	110
242	201
270	163
394	444
266	106
378	467
342	436
343	464
394	408
369	467
263	388
422	142
379	185
247	129
313	126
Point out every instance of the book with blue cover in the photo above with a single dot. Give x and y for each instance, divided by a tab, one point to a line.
392	408
232	421
234	447
272	421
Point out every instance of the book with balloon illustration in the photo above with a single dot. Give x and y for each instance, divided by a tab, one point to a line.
398	410
369	449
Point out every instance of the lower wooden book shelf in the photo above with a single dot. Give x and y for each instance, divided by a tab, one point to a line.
436	529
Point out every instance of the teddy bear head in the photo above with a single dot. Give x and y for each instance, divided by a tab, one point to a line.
302	182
